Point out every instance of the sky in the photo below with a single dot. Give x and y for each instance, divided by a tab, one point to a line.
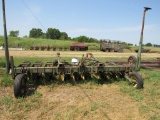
101	19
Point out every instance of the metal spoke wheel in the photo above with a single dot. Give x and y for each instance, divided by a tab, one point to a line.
20	85
136	80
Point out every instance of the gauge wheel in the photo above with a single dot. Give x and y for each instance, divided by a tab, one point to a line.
20	85
136	80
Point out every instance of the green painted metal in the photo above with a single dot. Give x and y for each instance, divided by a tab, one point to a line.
87	65
138	64
5	38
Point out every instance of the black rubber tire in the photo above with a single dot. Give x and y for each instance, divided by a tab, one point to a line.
20	85
132	60
137	80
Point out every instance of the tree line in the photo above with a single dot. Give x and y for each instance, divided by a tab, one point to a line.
54	34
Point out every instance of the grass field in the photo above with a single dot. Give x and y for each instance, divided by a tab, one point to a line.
84	100
27	42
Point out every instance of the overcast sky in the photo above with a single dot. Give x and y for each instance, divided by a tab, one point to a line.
101	19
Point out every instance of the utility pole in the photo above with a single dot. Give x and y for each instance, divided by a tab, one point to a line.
5	38
141	40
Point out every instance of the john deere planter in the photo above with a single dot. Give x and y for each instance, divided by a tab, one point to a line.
77	70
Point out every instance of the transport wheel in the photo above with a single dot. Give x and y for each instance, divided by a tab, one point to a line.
132	60
136	80
20	85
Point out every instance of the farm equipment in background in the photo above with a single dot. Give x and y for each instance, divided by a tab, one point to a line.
78	46
146	64
144	50
108	46
48	48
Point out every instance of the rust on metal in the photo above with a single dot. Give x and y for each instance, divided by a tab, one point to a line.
154	64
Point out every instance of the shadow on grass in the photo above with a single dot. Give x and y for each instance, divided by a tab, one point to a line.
34	83
52	81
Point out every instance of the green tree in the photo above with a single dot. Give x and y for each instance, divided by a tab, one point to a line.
13	33
53	33
93	40
82	39
35	33
64	36
148	44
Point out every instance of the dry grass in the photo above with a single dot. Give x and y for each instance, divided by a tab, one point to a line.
86	100
70	102
75	54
